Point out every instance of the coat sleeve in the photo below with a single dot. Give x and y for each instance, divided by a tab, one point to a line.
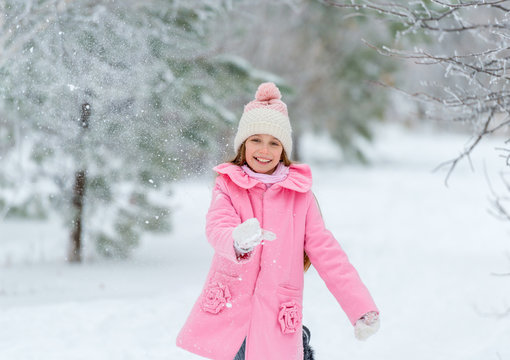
334	267
221	219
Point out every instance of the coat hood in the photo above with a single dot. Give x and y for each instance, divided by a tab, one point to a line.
299	178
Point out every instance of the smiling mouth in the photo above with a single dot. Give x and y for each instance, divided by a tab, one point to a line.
263	161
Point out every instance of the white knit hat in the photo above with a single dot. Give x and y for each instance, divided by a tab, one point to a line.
267	114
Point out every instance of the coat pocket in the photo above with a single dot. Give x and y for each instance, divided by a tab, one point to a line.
218	294
290	310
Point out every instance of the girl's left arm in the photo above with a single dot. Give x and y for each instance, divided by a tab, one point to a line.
334	267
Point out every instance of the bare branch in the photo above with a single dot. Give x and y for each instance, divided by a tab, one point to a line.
470	4
467	152
370	7
415	18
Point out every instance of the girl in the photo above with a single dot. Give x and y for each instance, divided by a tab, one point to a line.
264	224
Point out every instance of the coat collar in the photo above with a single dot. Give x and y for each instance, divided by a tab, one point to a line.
299	178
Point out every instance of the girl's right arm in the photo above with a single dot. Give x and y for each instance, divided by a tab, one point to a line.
221	220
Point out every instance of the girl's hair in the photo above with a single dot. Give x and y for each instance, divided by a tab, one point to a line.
307	262
240	160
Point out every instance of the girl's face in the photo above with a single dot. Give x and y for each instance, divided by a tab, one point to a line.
263	153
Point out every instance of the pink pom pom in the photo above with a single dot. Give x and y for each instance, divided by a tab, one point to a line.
267	91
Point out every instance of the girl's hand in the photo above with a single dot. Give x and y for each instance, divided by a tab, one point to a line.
249	234
366	326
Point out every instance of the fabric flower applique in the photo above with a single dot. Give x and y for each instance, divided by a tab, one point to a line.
216	298
289	317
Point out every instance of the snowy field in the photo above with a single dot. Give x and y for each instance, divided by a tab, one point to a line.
428	253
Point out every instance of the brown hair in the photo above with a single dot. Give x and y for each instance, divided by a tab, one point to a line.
307	262
240	160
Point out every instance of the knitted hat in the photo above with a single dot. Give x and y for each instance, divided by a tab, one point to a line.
267	114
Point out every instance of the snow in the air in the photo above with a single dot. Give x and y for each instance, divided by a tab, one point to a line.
432	256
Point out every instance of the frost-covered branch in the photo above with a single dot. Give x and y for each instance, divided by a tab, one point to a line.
417	15
472	48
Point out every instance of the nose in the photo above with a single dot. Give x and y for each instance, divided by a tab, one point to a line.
263	149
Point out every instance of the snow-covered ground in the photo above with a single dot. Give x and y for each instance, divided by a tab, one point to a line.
428	253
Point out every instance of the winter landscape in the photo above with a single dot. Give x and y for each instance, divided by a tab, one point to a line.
112	115
430	254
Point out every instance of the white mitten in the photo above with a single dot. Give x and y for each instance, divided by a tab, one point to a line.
249	234
366	326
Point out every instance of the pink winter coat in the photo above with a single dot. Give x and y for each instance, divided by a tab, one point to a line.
260	298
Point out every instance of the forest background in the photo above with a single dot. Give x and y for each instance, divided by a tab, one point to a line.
110	111
105	104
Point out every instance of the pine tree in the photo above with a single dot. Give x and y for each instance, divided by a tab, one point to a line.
323	68
106	104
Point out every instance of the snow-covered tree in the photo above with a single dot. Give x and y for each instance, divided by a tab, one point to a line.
318	55
470	46
103	104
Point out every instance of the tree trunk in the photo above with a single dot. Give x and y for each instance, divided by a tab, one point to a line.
78	193
296	139
80	180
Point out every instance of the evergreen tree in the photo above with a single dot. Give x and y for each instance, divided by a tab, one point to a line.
105	105
326	72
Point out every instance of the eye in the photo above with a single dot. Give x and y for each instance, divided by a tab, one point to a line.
274	143
255	140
